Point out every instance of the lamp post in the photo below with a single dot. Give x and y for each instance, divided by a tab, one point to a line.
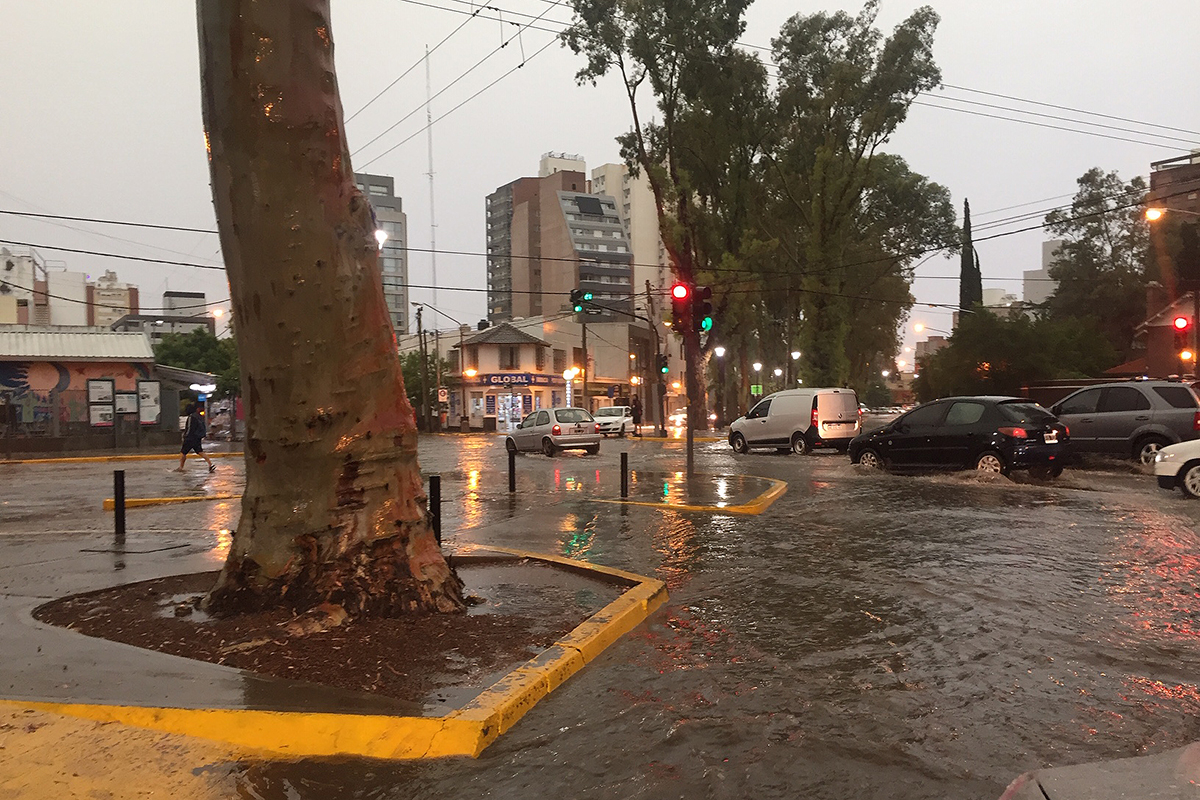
793	368
719	352
919	327
464	417
1154	214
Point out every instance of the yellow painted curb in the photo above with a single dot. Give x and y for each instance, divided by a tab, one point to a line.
99	459
140	502
756	506
465	731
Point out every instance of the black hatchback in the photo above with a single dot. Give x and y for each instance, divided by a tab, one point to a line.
990	434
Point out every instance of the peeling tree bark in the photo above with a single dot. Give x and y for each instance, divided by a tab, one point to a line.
334	508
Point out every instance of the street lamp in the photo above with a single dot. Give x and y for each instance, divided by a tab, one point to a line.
757	366
381	236
918	327
719	352
886	372
1155	213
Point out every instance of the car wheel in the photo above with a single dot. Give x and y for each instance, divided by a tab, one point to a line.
738	443
870	459
992	462
1147	448
800	444
510	445
1045	473
548	447
1189	480
593	449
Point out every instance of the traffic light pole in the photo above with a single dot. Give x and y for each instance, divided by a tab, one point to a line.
659	380
584	367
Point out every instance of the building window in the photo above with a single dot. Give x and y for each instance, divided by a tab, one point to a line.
510	356
473	355
377	190
541	358
560	361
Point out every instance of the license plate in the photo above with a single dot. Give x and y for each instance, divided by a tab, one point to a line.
1051	437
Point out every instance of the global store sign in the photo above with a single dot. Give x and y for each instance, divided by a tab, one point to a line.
516	379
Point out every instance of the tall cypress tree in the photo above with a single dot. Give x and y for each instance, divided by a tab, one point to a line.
970	279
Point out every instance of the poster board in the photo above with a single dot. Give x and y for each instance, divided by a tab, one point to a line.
100	391
127	403
149	402
101	416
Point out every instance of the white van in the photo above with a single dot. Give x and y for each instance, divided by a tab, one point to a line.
799	420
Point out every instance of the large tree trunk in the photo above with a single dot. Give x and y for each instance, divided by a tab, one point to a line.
334	508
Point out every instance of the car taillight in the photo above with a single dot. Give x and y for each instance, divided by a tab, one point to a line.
597	427
556	430
1016	433
814	415
1067	429
1196	421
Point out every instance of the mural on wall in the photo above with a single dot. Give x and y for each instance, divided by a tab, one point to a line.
44	391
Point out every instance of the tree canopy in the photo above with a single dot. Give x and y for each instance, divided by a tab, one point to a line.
201	351
1102	266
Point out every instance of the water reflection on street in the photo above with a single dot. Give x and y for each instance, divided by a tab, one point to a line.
868	636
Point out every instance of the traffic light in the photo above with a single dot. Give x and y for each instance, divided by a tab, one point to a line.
577	298
662	364
680	293
702	309
1182	327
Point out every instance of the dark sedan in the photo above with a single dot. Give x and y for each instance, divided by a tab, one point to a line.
990	434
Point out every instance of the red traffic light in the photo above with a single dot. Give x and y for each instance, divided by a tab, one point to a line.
1181	323
680	291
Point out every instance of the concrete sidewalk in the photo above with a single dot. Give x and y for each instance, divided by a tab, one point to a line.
1173	775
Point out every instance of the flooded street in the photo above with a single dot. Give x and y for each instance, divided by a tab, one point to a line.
869	635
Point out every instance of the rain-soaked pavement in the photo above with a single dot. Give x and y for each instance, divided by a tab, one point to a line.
869	635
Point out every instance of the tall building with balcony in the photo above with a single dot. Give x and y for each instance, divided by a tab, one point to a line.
393	256
108	300
639	216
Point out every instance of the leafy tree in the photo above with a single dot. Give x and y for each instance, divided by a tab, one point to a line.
844	89
970	277
201	351
334	508
1101	267
989	354
410	367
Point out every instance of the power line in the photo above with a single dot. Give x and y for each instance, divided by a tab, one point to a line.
1072	110
469	70
414	66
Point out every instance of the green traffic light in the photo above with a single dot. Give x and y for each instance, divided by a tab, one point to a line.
578	308
706	324
665	370
587	296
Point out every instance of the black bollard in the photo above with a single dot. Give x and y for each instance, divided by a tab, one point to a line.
624	475
119	505
435	506
512	472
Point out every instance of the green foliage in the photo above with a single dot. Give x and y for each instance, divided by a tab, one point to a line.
970	278
201	351
993	355
410	367
1101	268
876	395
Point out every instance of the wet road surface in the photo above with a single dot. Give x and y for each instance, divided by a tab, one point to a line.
869	635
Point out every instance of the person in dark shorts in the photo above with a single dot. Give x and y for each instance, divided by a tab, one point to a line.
193	434
636	412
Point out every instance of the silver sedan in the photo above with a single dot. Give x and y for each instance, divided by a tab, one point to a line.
554	429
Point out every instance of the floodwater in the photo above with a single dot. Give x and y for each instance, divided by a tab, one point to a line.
868	636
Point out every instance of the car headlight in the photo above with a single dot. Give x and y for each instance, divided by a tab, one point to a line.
1162	455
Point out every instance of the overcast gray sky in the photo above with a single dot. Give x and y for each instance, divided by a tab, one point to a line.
100	117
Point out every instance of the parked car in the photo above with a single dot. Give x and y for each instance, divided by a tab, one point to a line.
678	418
554	429
1132	419
615	419
798	420
1179	465
990	434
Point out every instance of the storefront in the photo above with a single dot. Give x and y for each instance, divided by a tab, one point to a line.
502	399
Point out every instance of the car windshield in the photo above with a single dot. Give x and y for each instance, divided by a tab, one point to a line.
572	415
1025	412
614	411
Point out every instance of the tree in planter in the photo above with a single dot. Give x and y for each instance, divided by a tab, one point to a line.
334	508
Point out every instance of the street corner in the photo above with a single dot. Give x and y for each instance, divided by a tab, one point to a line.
711	493
288	719
56	755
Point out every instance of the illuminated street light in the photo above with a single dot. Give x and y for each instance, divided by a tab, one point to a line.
218	312
570	374
635	380
633	356
675	386
757	366
886	372
902	363
795	355
381	237
719	351
1186	355
1155	214
778	372
470	372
